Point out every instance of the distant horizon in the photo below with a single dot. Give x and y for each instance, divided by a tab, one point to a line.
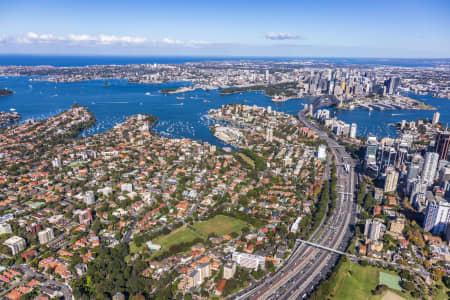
217	56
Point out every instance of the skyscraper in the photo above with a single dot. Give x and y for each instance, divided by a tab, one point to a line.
370	157
269	135
442	144
392	85
429	167
372	229
353	131
401	157
390	184
371	148
437	217
435	118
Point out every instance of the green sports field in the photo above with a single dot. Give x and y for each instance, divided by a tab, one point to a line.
220	225
182	235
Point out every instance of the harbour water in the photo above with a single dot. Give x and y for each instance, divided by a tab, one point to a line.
376	122
113	103
177	117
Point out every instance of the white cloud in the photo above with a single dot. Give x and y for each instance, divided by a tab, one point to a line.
281	36
100	40
170	41
80	38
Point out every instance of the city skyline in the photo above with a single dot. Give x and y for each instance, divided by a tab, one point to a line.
323	29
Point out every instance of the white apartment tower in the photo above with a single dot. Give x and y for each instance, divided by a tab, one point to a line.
435	118
429	167
437	217
249	261
373	229
45	236
353	131
390	184
16	244
269	135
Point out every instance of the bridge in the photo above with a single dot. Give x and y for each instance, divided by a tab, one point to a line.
323	247
325	100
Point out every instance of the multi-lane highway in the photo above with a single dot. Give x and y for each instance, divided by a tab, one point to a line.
308	265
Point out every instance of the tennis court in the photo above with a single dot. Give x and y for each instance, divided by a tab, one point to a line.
392	281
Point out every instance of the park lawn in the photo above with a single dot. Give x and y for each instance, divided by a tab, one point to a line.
357	282
182	235
247	159
219	225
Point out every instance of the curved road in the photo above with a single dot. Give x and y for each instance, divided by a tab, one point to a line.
307	265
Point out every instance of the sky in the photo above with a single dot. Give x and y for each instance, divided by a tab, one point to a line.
320	28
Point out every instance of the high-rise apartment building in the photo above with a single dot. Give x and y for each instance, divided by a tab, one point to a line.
436	116
85	217
249	261
437	217
196	277
5	228
45	236
372	230
390	184
371	148
16	244
442	144
353	131
228	270
429	167
269	135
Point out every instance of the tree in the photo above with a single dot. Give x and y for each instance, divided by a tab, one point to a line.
408	285
270	266
380	289
96	226
405	274
369	202
446	281
361	193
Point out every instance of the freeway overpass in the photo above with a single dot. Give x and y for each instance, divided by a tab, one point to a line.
322	247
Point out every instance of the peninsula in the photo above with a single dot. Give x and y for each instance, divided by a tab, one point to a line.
178	90
387	102
9	117
5	92
279	92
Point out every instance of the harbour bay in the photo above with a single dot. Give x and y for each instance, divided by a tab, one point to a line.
180	115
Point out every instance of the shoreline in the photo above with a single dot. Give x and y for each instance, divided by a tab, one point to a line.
400	104
178	90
